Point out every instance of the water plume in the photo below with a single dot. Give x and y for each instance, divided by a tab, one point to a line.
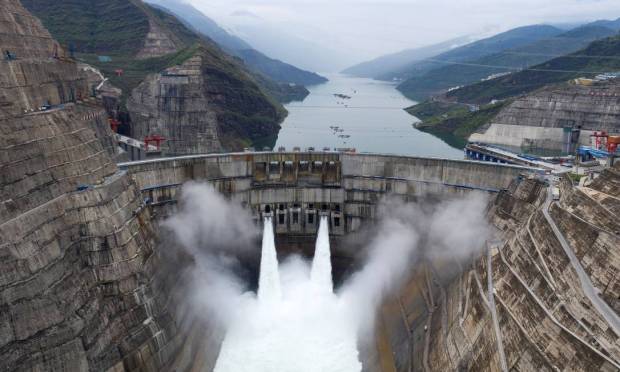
269	278
301	329
321	274
296	321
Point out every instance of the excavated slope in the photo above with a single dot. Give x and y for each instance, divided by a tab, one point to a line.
76	241
530	302
590	108
198	109
538	119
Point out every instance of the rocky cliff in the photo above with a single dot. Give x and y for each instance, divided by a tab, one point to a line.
198	109
77	256
538	119
228	107
542	297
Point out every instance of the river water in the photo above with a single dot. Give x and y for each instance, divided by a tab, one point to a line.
373	119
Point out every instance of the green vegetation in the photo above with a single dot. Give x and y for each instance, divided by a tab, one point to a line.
574	177
282	92
118	29
600	56
93	26
278	70
472	51
435	110
113	28
472	71
453	123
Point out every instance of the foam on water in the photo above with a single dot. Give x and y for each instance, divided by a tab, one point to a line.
296	326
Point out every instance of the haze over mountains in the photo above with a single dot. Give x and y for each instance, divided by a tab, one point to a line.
273	68
506	52
388	64
281	43
548	89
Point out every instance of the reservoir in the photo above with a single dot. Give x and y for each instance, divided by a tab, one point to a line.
364	114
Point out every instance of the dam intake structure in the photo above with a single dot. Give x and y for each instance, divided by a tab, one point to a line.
304	327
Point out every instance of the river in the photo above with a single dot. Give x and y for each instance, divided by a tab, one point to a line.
371	120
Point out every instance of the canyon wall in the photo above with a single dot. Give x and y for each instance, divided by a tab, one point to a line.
77	258
527	303
173	104
199	109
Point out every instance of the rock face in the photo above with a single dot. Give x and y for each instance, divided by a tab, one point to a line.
524	305
225	106
173	104
32	62
76	241
539	119
198	109
157	42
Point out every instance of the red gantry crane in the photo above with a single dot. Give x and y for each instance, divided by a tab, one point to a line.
153	139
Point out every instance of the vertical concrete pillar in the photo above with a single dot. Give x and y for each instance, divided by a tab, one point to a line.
331	172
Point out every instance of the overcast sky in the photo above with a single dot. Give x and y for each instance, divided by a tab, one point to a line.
369	28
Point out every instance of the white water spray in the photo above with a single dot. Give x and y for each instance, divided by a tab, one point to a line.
269	280
321	274
300	326
290	325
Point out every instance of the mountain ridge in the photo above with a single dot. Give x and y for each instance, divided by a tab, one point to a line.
166	43
450	116
390	62
274	69
598	57
471	71
508	39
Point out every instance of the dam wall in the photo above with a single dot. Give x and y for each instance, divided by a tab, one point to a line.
296	186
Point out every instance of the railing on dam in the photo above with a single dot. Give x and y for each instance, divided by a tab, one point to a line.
348	184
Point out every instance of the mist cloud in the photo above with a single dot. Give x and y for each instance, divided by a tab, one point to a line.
453	229
216	231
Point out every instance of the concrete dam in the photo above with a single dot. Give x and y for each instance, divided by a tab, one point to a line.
491	310
296	189
455	265
301	184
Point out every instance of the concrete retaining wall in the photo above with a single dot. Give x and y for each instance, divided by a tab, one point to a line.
524	136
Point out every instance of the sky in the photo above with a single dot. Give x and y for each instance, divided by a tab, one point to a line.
364	29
